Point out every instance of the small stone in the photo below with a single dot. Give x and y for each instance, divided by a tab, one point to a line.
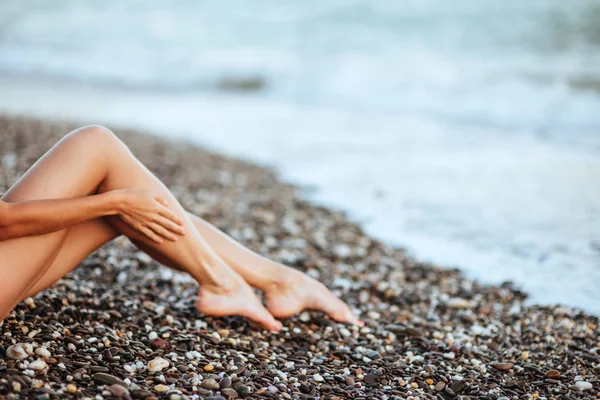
157	364
458	303
38	365
345	332
19	351
71	388
373	354
318	378
160	344
119	392
244	390
43	352
410	331
450	355
225	382
524	355
370	379
553	374
152	335
440	386
229	393
108	379
209	367
161	388
210	384
16	387
583	385
503	366
304	316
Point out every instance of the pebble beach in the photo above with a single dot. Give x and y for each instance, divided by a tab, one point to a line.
121	326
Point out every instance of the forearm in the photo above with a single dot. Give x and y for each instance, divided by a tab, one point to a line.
40	217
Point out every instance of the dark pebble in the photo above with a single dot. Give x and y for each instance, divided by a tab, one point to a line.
108	379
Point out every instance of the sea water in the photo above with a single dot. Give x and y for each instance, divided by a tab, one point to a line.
466	131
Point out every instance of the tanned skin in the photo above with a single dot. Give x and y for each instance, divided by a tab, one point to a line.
89	189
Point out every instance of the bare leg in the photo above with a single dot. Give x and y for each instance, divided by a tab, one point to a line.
287	290
92	159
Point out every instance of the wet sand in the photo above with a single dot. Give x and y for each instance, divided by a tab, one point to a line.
123	326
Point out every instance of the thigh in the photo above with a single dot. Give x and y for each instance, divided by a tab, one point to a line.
74	167
80	241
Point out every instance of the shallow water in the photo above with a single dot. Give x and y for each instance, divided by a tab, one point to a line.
468	132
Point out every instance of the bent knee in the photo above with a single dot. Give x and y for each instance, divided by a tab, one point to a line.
96	137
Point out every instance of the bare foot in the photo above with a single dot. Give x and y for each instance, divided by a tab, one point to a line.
294	292
237	300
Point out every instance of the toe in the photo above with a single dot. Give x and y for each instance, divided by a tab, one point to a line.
339	311
263	317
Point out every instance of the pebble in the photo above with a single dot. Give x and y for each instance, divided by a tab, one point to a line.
71	388
43	352
225	382
161	388
552	374
229	393
583	385
503	366
19	351
157	364
244	391
108	379
210	384
38	365
159	343
119	392
318	378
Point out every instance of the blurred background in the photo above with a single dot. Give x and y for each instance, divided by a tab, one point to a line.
466	131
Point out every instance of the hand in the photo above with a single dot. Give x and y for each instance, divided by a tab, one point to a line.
149	214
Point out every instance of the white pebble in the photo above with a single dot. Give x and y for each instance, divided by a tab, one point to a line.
345	332
152	335
38	365
583	385
158	364
43	352
318	378
449	356
304	317
457	302
19	351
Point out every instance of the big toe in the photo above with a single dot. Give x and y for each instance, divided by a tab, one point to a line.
339	311
262	316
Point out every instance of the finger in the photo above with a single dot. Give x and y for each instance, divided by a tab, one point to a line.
167	213
153	236
161	201
170	225
161	231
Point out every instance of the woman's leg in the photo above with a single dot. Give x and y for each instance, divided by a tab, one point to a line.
93	159
82	240
287	290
